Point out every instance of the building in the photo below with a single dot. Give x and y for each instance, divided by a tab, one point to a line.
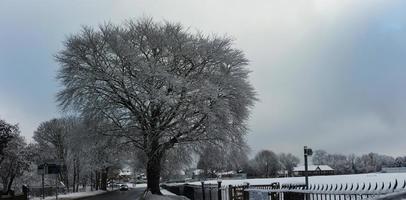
313	170
393	170
125	175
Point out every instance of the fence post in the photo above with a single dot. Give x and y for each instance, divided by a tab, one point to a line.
203	195
230	192
43	185
246	193
25	191
219	190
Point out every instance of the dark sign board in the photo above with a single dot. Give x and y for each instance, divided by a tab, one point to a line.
308	151
50	168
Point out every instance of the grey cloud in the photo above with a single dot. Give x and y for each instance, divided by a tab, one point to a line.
329	74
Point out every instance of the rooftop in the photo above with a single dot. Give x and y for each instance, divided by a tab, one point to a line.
313	168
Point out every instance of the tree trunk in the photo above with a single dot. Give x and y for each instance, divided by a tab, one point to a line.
10	183
74	176
66	178
77	178
4	184
154	174
97	180
91	181
104	179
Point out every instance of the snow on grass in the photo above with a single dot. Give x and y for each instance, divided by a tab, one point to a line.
73	195
333	179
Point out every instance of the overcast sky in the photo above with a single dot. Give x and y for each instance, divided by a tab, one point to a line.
329	74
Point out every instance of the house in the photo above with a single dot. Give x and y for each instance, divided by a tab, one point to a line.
125	175
313	170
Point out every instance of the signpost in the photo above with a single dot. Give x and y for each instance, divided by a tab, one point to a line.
50	168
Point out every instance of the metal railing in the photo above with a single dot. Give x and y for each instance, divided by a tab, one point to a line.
353	191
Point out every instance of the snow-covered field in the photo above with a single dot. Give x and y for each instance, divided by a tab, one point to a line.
335	179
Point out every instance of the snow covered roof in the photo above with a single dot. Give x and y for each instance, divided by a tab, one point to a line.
313	168
125	173
226	173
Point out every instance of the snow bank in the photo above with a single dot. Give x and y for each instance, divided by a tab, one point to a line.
141	185
166	192
149	196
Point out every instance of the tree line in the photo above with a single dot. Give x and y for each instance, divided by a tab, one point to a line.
94	158
353	164
70	142
264	164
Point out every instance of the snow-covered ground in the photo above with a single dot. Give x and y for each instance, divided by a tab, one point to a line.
166	196
334	179
73	195
141	185
76	195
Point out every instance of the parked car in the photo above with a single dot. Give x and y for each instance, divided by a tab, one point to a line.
123	187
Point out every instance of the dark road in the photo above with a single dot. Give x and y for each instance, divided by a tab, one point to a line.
119	195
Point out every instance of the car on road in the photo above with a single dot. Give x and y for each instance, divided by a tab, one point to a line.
123	187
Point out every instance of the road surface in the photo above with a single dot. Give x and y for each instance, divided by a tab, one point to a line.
132	194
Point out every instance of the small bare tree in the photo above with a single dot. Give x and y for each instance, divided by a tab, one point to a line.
158	85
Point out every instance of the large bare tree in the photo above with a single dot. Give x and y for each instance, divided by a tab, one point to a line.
158	84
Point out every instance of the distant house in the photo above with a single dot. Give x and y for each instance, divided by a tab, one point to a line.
193	173
231	175
313	170
282	173
393	170
125	175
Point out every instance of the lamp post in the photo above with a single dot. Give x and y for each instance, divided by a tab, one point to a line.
307	152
